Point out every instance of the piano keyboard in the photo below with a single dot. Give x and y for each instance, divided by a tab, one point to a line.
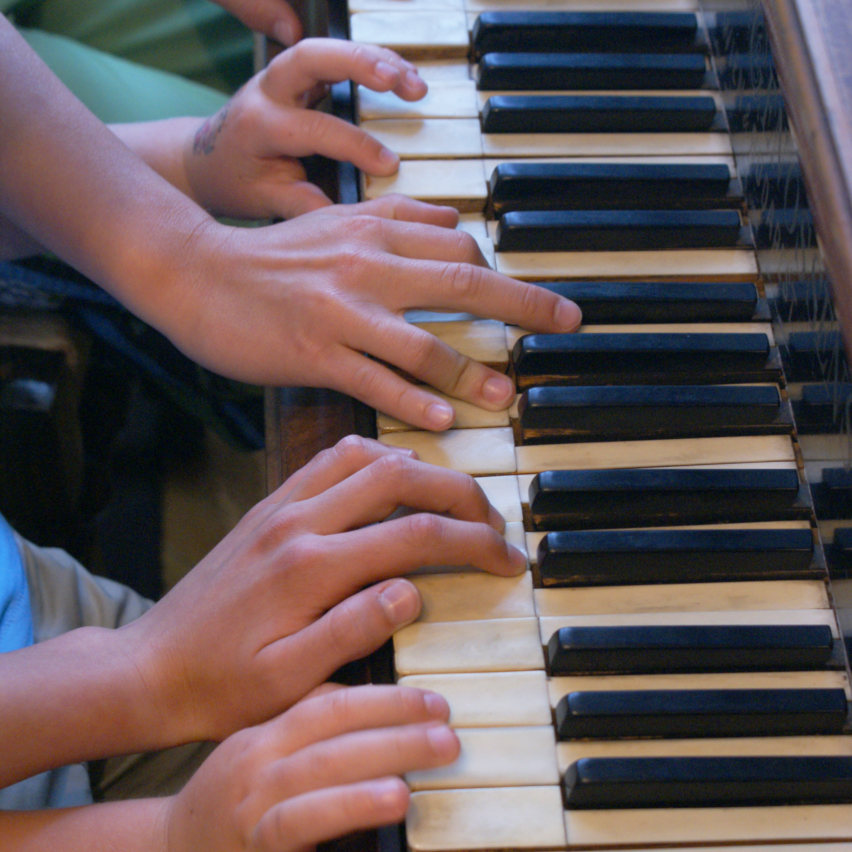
642	684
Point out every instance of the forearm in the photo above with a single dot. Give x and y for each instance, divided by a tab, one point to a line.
161	144
15	243
70	184
80	696
131	826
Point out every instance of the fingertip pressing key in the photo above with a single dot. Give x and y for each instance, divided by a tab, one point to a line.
568	315
498	390
440	415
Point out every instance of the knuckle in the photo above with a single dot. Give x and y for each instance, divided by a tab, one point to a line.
276	528
422	349
424	528
393	470
366	380
354	450
361	53
469	492
463	280
349	630
274	830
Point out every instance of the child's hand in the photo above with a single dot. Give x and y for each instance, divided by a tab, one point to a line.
242	161
327	767
303	585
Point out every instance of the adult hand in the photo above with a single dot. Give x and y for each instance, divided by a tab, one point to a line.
327	767
320	300
242	162
302	585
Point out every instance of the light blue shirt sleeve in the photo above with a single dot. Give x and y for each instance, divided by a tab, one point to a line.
16	622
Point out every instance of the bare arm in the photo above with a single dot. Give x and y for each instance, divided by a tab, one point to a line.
302	302
326	768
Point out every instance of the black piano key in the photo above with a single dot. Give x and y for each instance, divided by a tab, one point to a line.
688	648
747	71
589	71
785	227
814	356
823	408
671	713
619	186
597	32
643	556
636	497
597	114
803	301
774	183
738	31
658	782
832	495
633	412
640	358
839	554
616	230
613	302
757	114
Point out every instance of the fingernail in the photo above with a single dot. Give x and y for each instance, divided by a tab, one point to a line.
442	739
498	390
568	315
386	72
400	601
283	32
386	792
436	705
414	81
439	415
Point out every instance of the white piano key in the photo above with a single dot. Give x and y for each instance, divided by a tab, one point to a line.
568	752
503	494
585	5
718	264
514	535
447	138
674	452
708	144
448	99
692	597
475	451
432	33
496	699
496	757
817	679
469	597
506	644
499	818
482	340
459	183
468	416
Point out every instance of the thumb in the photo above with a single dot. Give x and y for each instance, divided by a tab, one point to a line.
297	198
353	629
